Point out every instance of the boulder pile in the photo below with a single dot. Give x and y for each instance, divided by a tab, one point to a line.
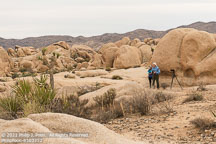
122	54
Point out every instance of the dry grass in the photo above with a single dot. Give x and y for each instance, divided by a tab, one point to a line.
203	123
202	87
141	102
194	97
107	99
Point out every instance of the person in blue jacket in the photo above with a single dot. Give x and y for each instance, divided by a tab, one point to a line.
156	73
150	75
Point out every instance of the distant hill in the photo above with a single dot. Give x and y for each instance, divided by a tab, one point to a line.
97	41
209	27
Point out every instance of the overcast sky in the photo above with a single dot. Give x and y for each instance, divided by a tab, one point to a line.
30	18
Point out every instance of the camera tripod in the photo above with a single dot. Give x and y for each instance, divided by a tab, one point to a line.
174	76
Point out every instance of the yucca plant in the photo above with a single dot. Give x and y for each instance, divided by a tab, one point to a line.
44	95
44	51
11	105
23	90
42	92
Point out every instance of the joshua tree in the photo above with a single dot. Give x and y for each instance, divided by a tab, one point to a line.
51	62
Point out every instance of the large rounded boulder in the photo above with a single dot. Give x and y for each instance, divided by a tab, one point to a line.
127	57
109	56
5	62
191	53
123	41
106	46
146	52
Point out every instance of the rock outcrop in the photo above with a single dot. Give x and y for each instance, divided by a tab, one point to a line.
190	52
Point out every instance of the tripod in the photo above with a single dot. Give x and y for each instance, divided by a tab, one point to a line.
174	76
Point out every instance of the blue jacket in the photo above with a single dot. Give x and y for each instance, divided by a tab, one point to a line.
156	70
150	73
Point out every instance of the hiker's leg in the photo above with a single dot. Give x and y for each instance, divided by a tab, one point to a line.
158	82
150	79
153	84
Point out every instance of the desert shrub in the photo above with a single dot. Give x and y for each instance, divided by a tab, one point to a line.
70	68
141	102
194	97
203	123
44	51
106	99
15	75
109	113
161	97
86	89
70	105
29	97
33	107
164	85
202	87
24	74
108	69
116	77
22	90
23	70
11	106
104	116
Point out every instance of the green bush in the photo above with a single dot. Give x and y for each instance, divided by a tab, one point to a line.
23	70
108	69
29	97
117	77
15	75
44	51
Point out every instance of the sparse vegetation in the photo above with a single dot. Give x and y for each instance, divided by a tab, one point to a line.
194	97
44	51
70	105
141	102
108	69
116	77
50	62
202	87
28	98
11	106
23	70
15	75
86	89
107	99
203	123
161	97
164	85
